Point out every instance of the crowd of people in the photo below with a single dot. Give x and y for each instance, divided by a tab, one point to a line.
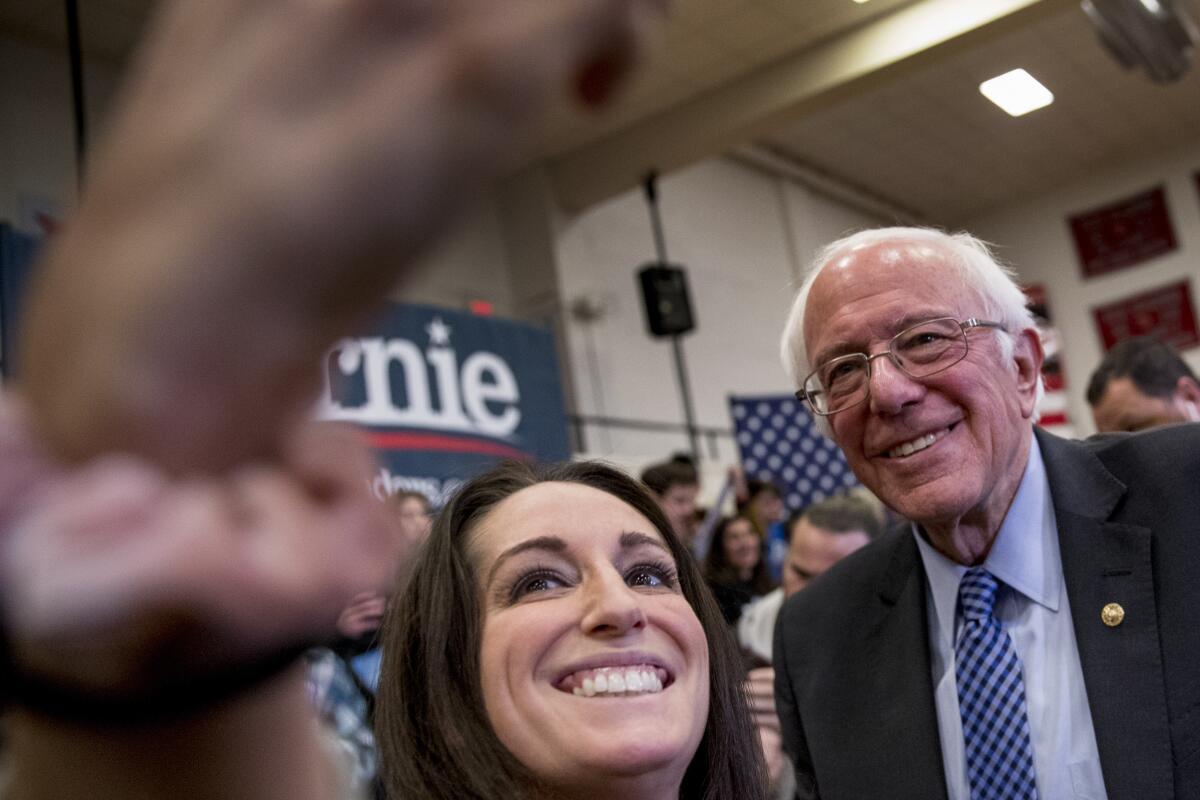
189	568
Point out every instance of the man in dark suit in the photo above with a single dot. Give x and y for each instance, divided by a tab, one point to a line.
1140	384
1029	634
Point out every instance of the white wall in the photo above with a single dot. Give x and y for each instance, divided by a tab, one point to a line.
469	264
1035	238
743	237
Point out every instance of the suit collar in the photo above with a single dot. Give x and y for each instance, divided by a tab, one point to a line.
1107	561
899	570
899	687
1079	482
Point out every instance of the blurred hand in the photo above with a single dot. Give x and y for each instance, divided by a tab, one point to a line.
363	615
737	479
120	577
271	168
24	463
760	691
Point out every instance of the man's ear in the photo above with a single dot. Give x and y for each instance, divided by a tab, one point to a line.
1187	397
1028	356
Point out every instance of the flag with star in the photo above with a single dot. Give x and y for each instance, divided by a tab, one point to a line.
778	441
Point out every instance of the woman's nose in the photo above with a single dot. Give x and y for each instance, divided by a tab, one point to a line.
612	607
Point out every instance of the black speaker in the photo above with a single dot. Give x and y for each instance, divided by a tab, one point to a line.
1158	35
665	294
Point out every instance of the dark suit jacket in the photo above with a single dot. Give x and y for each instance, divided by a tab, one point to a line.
853	684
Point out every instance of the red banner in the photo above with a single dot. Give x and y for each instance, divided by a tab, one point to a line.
1165	313
1123	234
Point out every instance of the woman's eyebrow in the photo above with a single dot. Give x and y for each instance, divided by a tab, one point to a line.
631	539
551	543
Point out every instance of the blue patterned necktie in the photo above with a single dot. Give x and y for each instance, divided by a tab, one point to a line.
991	697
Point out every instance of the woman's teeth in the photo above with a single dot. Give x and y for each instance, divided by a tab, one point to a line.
611	681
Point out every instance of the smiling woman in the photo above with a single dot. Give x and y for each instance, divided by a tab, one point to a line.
555	641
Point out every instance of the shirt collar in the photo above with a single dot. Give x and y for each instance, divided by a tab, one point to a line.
1028	527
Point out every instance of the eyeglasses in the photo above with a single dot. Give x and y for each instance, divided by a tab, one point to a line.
919	351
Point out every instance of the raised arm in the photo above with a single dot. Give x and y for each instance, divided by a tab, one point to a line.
272	168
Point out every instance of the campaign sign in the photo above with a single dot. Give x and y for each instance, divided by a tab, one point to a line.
444	395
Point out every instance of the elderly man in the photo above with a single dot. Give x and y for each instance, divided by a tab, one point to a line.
1031	633
1142	383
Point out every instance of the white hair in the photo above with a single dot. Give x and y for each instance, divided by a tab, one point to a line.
978	269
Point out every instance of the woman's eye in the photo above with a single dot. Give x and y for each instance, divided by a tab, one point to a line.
651	576
537	582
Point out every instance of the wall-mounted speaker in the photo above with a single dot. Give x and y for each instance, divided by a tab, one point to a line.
1156	35
665	295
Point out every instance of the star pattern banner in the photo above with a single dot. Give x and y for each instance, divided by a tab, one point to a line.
778	441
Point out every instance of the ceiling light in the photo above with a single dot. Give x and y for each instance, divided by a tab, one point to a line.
1017	92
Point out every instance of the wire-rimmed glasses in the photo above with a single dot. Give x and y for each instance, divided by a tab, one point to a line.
920	351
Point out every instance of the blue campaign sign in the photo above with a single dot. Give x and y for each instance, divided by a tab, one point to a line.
443	395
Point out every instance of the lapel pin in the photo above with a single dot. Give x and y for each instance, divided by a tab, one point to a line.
1112	615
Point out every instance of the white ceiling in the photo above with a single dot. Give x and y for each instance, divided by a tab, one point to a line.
880	96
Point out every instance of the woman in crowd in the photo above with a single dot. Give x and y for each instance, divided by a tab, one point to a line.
555	641
734	566
763	505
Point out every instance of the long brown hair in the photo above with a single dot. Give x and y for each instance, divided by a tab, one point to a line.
718	569
434	738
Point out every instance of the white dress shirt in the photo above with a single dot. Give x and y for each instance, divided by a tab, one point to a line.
756	625
1033	608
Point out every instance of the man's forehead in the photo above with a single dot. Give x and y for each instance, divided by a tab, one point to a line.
891	251
918	276
810	540
852	270
1124	406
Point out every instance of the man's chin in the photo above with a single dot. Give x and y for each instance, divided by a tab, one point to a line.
933	503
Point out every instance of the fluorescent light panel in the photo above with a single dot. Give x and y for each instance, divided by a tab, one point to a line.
1017	92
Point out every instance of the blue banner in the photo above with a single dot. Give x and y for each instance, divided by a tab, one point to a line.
443	395
17	251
